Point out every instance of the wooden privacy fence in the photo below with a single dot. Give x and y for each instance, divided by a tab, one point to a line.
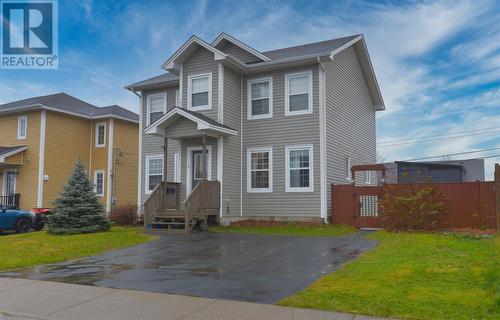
469	204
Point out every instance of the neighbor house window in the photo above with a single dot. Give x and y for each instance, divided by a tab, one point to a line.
99	182
177	167
154	172
260	101
156	107
299	168
368	178
200	92
260	170
298	93
22	127
100	134
347	168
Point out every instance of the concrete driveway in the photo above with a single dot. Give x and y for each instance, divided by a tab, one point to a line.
252	268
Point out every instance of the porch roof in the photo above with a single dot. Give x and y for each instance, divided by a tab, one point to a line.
202	122
10	151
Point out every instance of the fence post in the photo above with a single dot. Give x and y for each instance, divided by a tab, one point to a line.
497	195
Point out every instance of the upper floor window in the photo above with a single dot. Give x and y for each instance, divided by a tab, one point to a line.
299	168
260	102
99	182
298	93
154	172
22	127
347	168
200	92
260	170
100	134
156	107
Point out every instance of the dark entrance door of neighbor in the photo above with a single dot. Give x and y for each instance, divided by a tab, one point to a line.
10	183
197	161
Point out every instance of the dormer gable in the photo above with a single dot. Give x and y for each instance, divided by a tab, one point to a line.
238	49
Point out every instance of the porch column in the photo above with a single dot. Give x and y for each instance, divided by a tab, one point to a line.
165	149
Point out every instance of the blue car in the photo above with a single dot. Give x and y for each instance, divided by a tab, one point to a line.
20	221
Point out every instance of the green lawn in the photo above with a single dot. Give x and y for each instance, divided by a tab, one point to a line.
290	229
30	249
414	276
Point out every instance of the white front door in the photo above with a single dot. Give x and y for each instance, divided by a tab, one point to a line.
194	166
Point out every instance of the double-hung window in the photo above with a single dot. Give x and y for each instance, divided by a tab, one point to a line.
99	182
156	106
22	127
154	172
298	93
260	100
299	168
260	170
200	92
100	134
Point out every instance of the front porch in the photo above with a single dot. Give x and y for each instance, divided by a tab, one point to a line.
196	197
11	160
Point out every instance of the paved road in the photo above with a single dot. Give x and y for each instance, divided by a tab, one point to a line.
251	268
22	299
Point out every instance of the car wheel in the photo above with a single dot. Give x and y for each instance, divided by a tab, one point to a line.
23	225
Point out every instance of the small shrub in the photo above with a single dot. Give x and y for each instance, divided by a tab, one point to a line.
421	208
124	215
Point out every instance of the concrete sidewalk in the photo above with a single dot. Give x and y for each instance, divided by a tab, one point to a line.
22	299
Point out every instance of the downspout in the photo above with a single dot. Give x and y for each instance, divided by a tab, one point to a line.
322	142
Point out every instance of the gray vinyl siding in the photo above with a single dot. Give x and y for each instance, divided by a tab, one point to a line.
350	118
239	53
200	62
152	145
278	132
231	181
182	128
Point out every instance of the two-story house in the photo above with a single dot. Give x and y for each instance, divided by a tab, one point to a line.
42	138
278	127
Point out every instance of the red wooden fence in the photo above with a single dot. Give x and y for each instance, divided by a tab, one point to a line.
470	204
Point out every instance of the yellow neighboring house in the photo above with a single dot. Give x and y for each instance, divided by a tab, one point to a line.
41	138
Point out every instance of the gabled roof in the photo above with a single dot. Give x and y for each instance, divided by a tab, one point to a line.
186	49
203	122
62	102
10	151
162	79
225	37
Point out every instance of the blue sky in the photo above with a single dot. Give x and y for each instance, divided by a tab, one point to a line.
438	63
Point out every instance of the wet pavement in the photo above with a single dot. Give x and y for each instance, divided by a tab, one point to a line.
254	268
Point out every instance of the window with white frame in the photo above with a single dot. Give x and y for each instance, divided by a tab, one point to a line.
298	93
260	101
156	107
347	168
22	127
299	168
200	91
154	171
177	167
99	182
100	134
368	177
260	170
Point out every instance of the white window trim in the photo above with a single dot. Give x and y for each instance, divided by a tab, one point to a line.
347	163
146	176
96	172
287	91
249	98
249	171
190	87
310	148
176	165
148	104
97	125
25	118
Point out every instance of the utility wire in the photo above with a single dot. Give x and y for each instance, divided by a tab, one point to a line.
454	154
435	139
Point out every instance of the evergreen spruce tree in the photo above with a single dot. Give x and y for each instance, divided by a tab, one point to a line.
78	209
